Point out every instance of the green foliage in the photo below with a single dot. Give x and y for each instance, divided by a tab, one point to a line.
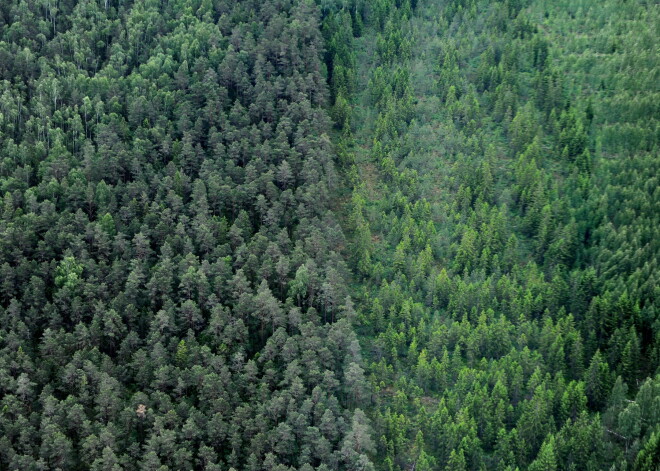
173	292
498	282
199	271
68	273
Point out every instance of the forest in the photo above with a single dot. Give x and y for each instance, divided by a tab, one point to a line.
324	235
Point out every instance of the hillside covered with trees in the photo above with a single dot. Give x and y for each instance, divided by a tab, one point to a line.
329	235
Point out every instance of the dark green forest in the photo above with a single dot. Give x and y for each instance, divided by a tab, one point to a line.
362	235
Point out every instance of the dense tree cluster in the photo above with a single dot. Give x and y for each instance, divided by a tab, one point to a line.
176	287
509	276
172	292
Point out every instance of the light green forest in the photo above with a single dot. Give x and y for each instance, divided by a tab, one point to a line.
362	235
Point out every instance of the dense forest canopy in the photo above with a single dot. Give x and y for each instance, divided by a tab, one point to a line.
332	235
